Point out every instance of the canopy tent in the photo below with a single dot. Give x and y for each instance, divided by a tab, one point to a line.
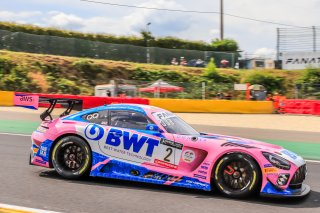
257	87
161	87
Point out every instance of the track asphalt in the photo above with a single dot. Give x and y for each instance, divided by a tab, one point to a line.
36	187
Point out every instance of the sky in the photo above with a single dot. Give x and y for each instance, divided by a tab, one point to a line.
253	37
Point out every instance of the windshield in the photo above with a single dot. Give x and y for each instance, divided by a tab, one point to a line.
174	124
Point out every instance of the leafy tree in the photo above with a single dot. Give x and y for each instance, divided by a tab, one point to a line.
272	83
147	37
88	69
311	76
211	73
225	45
17	79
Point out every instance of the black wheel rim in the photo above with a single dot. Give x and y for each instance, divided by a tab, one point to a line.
71	157
237	175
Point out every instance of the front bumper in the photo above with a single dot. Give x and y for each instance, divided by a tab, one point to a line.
303	191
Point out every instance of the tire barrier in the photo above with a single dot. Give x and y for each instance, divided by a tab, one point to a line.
300	106
214	106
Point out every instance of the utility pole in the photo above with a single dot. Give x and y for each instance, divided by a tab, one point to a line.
278	44
148	50
221	20
314	39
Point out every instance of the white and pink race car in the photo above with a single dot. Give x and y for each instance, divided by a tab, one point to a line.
148	144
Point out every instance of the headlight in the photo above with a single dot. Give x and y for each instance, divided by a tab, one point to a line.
42	129
277	161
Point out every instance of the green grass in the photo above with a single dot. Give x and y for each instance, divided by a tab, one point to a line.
61	74
307	150
18	127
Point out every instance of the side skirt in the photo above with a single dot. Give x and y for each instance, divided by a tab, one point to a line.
105	167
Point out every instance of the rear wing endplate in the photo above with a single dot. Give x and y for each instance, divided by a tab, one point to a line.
69	104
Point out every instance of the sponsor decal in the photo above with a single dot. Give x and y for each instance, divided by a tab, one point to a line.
165	164
267	165
302	60
134	146
202	172
270	170
164	118
40	161
171	143
94	132
168	153
192	138
196	183
188	156
92	116
238	144
117	137
161	176
28	101
299	60
290	154
199	176
204	167
43	151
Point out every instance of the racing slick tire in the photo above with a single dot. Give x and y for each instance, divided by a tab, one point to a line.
237	175
71	157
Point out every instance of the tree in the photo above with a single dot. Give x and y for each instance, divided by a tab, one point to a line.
211	70
147	37
271	82
228	45
311	76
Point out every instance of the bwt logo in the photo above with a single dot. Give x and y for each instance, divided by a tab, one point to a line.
26	98
94	132
116	137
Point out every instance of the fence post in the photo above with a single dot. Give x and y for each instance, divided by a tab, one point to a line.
314	39
203	90
278	44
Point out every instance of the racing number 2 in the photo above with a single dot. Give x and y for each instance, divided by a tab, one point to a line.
168	153
169	150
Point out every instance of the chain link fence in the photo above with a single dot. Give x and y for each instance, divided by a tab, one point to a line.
190	90
307	91
45	44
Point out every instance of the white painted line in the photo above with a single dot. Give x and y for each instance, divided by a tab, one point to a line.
14	134
21	209
313	161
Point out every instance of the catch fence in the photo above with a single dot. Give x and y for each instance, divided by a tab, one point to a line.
46	44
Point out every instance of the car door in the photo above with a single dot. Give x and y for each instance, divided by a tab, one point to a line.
134	143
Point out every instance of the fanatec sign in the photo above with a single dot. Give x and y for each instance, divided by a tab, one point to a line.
300	60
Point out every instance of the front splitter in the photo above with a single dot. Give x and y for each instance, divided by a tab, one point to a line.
304	191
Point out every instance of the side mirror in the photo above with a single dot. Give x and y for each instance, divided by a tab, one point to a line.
152	127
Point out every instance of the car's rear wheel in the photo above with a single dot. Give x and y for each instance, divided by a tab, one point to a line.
71	157
237	175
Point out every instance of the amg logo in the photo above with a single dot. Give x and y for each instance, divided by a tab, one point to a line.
313	60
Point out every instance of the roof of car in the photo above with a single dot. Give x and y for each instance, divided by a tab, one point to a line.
135	107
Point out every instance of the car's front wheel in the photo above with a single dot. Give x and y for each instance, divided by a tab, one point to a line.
237	175
71	157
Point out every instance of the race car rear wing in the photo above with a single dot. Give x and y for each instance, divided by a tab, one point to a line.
69	104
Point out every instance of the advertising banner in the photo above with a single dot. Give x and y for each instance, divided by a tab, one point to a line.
300	60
